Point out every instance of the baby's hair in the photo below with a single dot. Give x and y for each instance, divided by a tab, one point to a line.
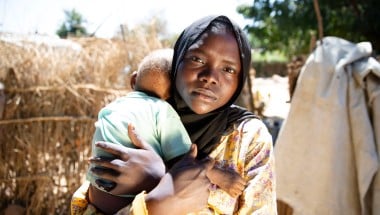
153	73
159	60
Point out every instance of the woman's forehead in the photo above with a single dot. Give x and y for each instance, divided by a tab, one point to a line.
221	42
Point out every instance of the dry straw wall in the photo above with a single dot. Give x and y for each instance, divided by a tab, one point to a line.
53	89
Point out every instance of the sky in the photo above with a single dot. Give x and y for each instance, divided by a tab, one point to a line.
105	16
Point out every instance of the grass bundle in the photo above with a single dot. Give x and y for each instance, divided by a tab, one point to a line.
53	91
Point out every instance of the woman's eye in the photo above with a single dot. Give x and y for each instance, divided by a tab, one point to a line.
197	59
229	70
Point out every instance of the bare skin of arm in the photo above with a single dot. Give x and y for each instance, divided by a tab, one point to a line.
185	183
228	180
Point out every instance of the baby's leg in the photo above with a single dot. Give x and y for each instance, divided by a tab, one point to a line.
228	180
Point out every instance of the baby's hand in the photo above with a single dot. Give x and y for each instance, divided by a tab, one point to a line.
228	180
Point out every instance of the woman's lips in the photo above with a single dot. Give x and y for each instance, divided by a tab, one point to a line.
205	94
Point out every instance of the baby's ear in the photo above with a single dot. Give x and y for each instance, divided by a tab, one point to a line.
133	79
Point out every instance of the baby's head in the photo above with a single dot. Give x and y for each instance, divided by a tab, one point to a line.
152	76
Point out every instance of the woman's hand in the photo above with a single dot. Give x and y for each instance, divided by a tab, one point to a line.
184	189
140	168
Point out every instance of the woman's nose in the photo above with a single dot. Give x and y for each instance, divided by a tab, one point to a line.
209	76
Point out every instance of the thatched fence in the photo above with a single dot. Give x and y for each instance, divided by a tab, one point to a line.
53	90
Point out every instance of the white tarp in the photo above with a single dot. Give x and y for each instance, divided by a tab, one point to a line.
327	151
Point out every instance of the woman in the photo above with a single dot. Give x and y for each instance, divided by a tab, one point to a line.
210	64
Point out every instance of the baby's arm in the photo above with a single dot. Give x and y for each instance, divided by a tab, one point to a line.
228	180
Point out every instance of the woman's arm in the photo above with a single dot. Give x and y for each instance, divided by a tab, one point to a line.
184	189
259	197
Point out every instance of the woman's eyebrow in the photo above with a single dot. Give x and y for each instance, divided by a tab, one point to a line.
195	50
231	60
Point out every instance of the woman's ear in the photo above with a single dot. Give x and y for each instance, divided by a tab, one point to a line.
133	79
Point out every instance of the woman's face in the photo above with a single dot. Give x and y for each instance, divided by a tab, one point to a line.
209	73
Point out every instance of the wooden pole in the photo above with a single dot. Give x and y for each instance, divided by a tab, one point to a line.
319	19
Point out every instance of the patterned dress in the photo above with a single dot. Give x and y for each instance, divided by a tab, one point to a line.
247	148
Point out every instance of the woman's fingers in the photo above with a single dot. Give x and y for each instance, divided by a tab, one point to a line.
104	173
114	164
122	152
117	150
136	139
130	168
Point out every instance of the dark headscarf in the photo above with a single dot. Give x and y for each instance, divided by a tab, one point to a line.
206	129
